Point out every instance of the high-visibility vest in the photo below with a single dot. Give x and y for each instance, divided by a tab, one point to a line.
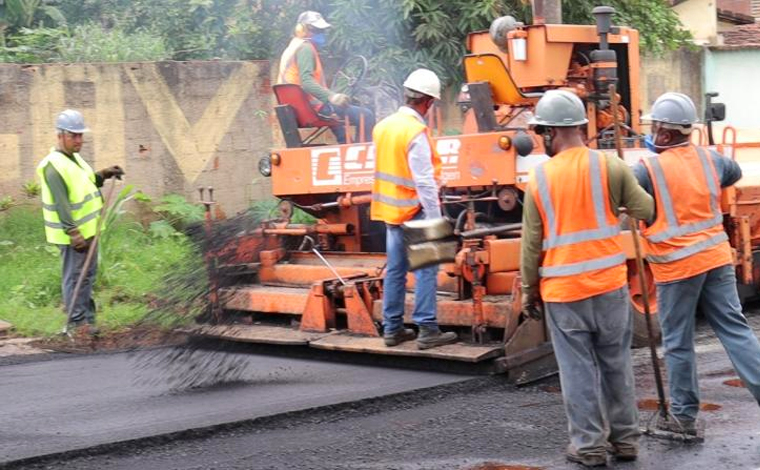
289	72
394	193
687	237
582	250
84	197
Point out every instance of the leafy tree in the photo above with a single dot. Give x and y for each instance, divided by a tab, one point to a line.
18	14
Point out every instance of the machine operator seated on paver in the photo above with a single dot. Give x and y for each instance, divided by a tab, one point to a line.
300	65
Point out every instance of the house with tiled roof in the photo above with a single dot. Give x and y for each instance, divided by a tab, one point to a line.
710	20
727	62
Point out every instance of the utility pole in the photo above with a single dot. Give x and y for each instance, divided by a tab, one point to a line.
547	11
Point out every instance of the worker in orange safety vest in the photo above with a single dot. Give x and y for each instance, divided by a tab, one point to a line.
300	64
407	169
572	261
690	256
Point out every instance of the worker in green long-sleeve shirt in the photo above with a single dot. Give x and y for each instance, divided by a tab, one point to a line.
71	204
300	65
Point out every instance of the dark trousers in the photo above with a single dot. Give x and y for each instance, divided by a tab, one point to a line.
354	114
83	308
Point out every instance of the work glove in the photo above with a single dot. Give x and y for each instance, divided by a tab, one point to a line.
340	100
78	242
531	306
111	171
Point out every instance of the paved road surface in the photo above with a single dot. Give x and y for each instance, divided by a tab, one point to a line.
482	424
59	405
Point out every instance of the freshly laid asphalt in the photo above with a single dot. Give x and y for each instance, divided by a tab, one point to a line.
64	404
442	422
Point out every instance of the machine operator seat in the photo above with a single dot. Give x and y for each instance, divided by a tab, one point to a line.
490	68
294	112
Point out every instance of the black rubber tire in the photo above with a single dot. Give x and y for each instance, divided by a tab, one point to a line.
640	335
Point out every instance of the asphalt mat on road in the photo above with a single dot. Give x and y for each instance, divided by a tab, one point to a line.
52	406
478	424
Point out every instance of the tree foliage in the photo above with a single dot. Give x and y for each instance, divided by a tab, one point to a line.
395	35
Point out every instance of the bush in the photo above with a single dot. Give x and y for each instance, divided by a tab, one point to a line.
92	43
32	46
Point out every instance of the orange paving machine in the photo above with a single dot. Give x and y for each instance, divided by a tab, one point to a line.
320	284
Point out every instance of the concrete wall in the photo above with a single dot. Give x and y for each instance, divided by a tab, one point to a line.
173	126
733	73
679	71
699	17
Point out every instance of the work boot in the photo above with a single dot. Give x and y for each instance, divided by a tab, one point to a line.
587	459
432	337
399	336
680	425
623	451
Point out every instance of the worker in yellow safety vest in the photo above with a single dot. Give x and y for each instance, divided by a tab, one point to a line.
690	256
572	261
300	64
71	205
407	170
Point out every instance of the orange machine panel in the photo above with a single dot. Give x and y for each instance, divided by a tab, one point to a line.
467	160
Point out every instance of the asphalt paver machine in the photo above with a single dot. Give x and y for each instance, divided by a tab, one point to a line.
319	285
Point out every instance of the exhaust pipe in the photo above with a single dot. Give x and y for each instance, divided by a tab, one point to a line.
547	11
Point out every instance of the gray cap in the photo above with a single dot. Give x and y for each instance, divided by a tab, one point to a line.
313	19
559	108
71	121
673	108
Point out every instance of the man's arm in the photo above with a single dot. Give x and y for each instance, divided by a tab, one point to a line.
625	191
420	157
729	172
307	64
60	195
531	245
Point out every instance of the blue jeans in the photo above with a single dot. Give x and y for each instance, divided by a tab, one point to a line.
394	286
592	344
715	293
354	113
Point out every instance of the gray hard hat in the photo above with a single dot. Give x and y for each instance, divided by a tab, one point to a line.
71	121
673	108
559	108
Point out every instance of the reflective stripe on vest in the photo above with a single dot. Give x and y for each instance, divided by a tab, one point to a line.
397	180
78	205
80	221
394	192
687	251
582	267
674	229
395	202
603	231
84	197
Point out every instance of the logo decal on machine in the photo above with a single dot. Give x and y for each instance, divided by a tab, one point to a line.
355	165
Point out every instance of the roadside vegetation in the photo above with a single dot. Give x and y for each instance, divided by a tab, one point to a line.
397	36
134	263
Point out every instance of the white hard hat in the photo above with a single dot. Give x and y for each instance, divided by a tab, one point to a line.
559	108
424	81
313	19
673	108
72	121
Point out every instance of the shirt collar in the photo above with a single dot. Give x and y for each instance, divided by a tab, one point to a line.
412	112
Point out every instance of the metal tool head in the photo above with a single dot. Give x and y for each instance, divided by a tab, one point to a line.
426	230
422	255
667	426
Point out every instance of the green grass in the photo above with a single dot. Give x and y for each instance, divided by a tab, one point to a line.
132	267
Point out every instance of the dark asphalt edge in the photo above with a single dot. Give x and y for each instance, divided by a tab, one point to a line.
315	415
